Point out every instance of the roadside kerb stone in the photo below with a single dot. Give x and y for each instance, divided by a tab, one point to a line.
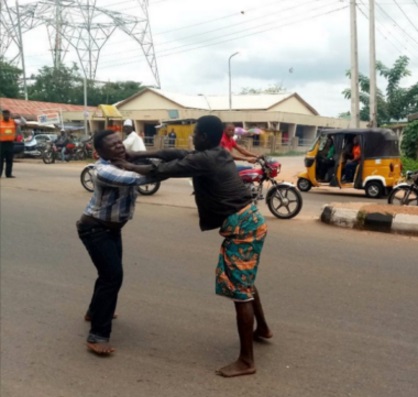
343	217
373	217
403	223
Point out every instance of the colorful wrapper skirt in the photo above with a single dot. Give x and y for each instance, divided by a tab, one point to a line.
244	233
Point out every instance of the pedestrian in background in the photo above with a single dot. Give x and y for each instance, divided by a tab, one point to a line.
172	136
132	141
8	132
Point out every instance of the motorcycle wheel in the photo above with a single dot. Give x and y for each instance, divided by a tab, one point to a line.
86	178
148	190
284	201
80	155
403	195
48	157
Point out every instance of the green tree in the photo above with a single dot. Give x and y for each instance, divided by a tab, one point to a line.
409	143
111	92
397	102
9	80
61	85
272	89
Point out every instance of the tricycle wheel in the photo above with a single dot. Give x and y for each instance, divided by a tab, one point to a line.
374	189
304	185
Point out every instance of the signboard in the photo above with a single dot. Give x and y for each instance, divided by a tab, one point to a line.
49	118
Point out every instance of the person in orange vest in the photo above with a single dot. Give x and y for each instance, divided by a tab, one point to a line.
7	137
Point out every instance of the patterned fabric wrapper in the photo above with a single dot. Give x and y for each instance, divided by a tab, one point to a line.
244	234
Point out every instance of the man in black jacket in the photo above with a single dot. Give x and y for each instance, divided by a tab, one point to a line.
223	202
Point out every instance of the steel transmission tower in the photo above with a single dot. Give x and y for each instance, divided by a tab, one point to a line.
79	24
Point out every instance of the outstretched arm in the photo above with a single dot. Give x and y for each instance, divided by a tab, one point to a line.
246	153
165	155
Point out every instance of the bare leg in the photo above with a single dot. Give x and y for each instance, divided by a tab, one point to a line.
262	330
245	322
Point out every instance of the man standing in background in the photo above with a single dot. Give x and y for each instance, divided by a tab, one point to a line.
132	141
172	136
7	137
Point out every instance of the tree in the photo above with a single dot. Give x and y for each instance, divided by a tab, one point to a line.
272	89
9	80
397	102
60	85
111	92
409	143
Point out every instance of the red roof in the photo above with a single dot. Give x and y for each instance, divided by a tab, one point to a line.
31	109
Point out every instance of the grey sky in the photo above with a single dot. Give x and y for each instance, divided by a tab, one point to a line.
194	39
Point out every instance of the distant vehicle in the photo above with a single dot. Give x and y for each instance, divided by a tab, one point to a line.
376	172
36	143
18	148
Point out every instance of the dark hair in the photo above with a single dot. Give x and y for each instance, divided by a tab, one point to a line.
99	137
211	126
224	125
6	111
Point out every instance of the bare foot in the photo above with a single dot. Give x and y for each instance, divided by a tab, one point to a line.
100	348
238	368
88	318
262	334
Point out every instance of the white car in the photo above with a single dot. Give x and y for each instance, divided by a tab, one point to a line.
35	143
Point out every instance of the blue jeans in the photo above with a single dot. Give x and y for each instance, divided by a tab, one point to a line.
350	170
105	249
243	167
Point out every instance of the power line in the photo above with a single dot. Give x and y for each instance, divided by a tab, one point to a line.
406	16
393	20
395	46
242	36
241	24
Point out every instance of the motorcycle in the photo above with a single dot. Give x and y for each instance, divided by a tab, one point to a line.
87	181
283	199
84	149
405	193
52	152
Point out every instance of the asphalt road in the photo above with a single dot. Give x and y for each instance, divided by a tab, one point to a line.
341	303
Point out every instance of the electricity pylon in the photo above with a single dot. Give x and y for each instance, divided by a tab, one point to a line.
79	24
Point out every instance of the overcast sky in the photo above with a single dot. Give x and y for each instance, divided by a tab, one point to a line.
303	45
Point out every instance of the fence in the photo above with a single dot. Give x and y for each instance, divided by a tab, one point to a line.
269	145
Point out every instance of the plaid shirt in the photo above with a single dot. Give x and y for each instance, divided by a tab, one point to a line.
114	194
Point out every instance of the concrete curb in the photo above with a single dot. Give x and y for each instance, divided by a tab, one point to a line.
362	218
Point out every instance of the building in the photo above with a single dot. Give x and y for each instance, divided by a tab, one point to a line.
64	115
287	113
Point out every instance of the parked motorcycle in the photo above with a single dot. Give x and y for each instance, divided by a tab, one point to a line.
405	193
86	179
52	152
84	149
283	199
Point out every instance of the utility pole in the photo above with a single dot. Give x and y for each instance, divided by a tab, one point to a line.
355	108
373	89
230	79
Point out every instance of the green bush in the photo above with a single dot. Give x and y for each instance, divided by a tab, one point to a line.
409	164
409	145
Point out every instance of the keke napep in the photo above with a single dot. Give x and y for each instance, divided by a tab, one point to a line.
367	159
